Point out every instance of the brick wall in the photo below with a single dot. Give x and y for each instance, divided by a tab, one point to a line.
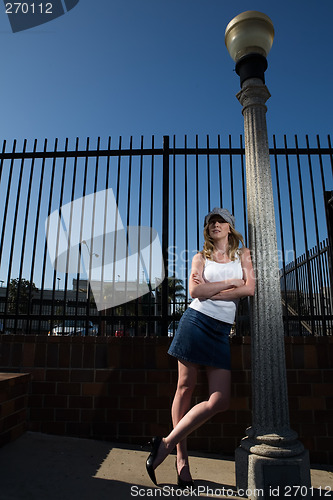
121	389
13	405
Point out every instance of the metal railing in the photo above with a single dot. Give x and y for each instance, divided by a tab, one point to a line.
169	188
307	294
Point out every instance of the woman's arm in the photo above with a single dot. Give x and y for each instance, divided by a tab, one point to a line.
201	289
248	288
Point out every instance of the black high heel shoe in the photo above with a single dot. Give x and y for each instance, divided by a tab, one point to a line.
181	483
155	443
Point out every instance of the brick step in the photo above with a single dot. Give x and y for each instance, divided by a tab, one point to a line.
14	389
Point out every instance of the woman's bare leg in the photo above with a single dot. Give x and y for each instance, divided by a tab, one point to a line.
187	379
219	382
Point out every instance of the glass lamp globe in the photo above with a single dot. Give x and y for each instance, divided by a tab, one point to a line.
249	32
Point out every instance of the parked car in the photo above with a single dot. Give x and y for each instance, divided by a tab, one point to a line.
75	328
121	333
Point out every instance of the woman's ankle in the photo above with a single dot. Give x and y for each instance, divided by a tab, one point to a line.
183	469
162	453
182	460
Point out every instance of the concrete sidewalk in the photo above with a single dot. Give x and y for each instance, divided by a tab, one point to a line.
43	467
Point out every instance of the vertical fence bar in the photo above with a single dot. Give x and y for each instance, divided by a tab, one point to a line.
165	233
50	199
1	239
2	160
197	187
151	219
330	244
231	177
11	252
4	225
293	235
70	234
173	283
328	197
115	256
34	245
310	290
79	264
139	221
319	292
220	169
243	189
4	222
284	287
186	224
331	151
53	312
102	313
92	254
24	237
329	225
82	218
129	181
328	289
208	174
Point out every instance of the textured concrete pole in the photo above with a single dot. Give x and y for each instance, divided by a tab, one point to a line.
270	456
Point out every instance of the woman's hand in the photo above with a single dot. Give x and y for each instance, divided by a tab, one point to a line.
233	283
236	283
217	296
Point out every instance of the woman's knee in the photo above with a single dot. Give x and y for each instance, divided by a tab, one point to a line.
187	379
219	403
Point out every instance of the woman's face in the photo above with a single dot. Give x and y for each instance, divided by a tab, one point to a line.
217	227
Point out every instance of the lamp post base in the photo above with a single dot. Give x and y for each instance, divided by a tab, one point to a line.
273	466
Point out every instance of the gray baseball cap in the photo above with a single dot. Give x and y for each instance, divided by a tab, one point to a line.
222	212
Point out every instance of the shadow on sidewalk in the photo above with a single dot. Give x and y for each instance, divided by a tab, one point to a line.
43	467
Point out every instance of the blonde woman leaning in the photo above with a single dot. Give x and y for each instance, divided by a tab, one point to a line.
221	274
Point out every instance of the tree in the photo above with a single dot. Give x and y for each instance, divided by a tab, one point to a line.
19	292
176	294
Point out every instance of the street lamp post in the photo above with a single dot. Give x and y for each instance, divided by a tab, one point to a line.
270	456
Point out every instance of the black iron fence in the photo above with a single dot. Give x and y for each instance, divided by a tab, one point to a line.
169	188
307	294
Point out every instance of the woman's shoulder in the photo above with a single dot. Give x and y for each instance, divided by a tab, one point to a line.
200	260
244	253
198	257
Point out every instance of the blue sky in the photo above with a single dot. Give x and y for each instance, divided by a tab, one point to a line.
130	67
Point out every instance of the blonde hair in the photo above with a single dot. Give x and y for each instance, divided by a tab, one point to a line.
234	237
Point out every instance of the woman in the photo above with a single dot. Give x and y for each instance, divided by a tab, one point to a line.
220	275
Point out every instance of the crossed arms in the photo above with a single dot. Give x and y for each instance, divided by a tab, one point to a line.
222	290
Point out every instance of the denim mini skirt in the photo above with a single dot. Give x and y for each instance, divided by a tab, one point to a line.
202	340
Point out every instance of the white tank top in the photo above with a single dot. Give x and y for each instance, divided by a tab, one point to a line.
223	310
